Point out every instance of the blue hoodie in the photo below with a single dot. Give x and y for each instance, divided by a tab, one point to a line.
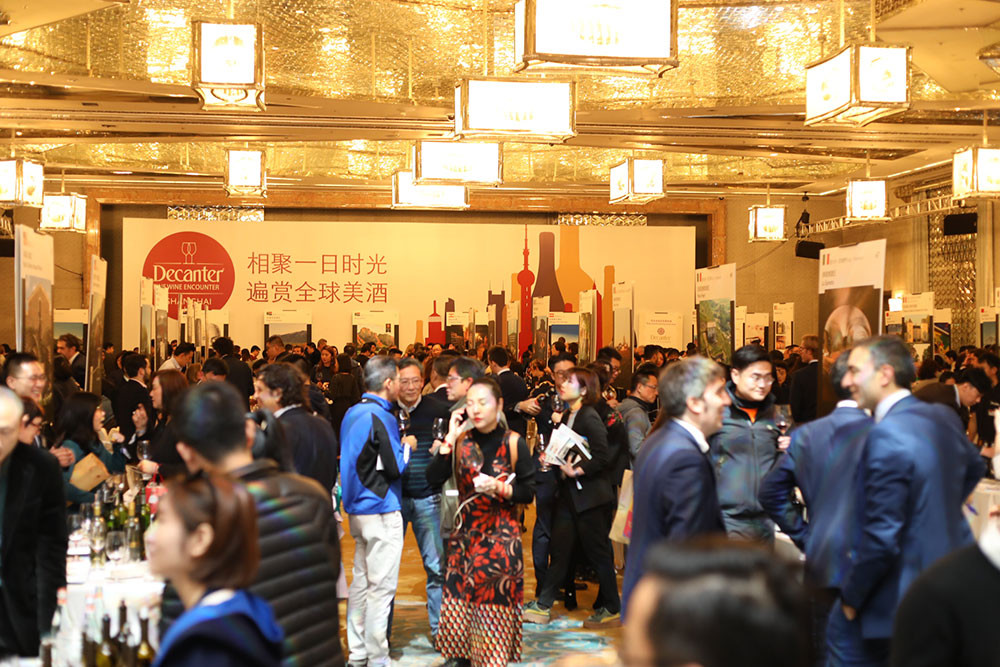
369	433
239	631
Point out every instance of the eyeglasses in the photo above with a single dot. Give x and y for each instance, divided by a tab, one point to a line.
33	378
762	379
649	386
412	382
453	378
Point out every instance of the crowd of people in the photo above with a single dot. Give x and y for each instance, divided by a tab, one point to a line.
261	448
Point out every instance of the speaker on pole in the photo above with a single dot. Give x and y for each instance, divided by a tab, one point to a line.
808	249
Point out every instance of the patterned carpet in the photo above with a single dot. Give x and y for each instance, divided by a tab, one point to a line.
543	644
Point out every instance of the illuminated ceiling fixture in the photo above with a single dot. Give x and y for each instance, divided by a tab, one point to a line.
858	84
64	212
521	109
990	56
975	171
867	198
636	36
636	181
245	175
229	65
22	183
767	223
457	162
408	194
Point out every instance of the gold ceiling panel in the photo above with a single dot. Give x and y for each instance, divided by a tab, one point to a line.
368	161
396	50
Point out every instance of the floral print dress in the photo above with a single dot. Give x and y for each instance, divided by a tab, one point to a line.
484	578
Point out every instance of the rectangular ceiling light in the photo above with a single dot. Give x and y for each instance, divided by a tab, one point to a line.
521	109
457	163
637	181
767	223
859	84
867	201
229	65
406	193
245	173
22	183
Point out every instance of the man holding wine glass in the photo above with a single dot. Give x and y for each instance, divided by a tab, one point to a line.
421	500
747	446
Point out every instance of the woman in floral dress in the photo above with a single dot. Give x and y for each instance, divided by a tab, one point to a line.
484	577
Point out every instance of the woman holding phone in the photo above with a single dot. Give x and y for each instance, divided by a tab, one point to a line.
484	577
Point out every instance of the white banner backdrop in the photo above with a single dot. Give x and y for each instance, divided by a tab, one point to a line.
334	269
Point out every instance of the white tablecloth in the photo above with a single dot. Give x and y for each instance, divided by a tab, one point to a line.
986	495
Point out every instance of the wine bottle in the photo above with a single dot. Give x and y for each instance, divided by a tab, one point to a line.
547	284
133	534
571	277
145	513
47	654
86	633
123	639
122	512
106	656
144	654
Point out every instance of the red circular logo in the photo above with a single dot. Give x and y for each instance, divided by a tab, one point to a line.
191	265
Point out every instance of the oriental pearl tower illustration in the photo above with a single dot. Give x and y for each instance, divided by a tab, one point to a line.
525	278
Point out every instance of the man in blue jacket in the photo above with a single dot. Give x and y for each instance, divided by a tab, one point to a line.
372	461
674	495
917	469
821	460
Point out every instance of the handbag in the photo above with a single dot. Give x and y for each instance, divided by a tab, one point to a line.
621	528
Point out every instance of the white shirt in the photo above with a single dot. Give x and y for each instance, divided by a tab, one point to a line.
958	397
882	409
281	411
171	364
73	358
696	433
409	408
847	403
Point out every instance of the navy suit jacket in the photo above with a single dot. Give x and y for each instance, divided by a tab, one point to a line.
917	469
821	461
674	497
312	444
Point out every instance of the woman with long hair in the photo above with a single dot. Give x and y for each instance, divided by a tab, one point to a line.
205	541
76	429
343	391
323	372
165	390
483	589
582	507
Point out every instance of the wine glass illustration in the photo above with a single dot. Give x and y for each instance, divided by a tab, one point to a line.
188	249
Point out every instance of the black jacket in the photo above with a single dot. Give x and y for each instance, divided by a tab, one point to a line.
344	393
299	564
79	368
33	552
945	394
594	487
313	445
802	393
514	390
131	394
240	376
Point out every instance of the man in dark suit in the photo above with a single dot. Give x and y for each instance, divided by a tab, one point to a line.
512	387
917	469
822	457
70	347
239	374
802	393
971	384
34	540
674	495
312	444
133	394
439	375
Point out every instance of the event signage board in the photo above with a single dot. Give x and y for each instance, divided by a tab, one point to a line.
663	329
783	315
715	299
146	317
300	265
513	329
739	326
755	329
918	322
565	326
987	326
161	325
540	327
588	327
294	326
34	267
850	303
623	304
942	330
375	326
454	328
95	323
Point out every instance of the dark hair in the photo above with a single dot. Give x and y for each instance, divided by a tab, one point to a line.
498	355
649	351
61	370
467	368
977	377
69	340
215	366
350	349
210	418
990	359
684	379
133	363
107	345
587	380
892	351
255	348
560	346
343	363
183	348
368	347
32	410
410	362
928	369
837	373
490	383
275	340
714	583
232	559
945	376
299	362
747	355
642	373
172	385
609	353
75	420
776	356
289	379
14	363
223	345
443	362
556	358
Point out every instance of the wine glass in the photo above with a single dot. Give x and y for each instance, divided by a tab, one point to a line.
545	467
782	418
143	451
558	405
475	459
404	423
116	546
439	429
